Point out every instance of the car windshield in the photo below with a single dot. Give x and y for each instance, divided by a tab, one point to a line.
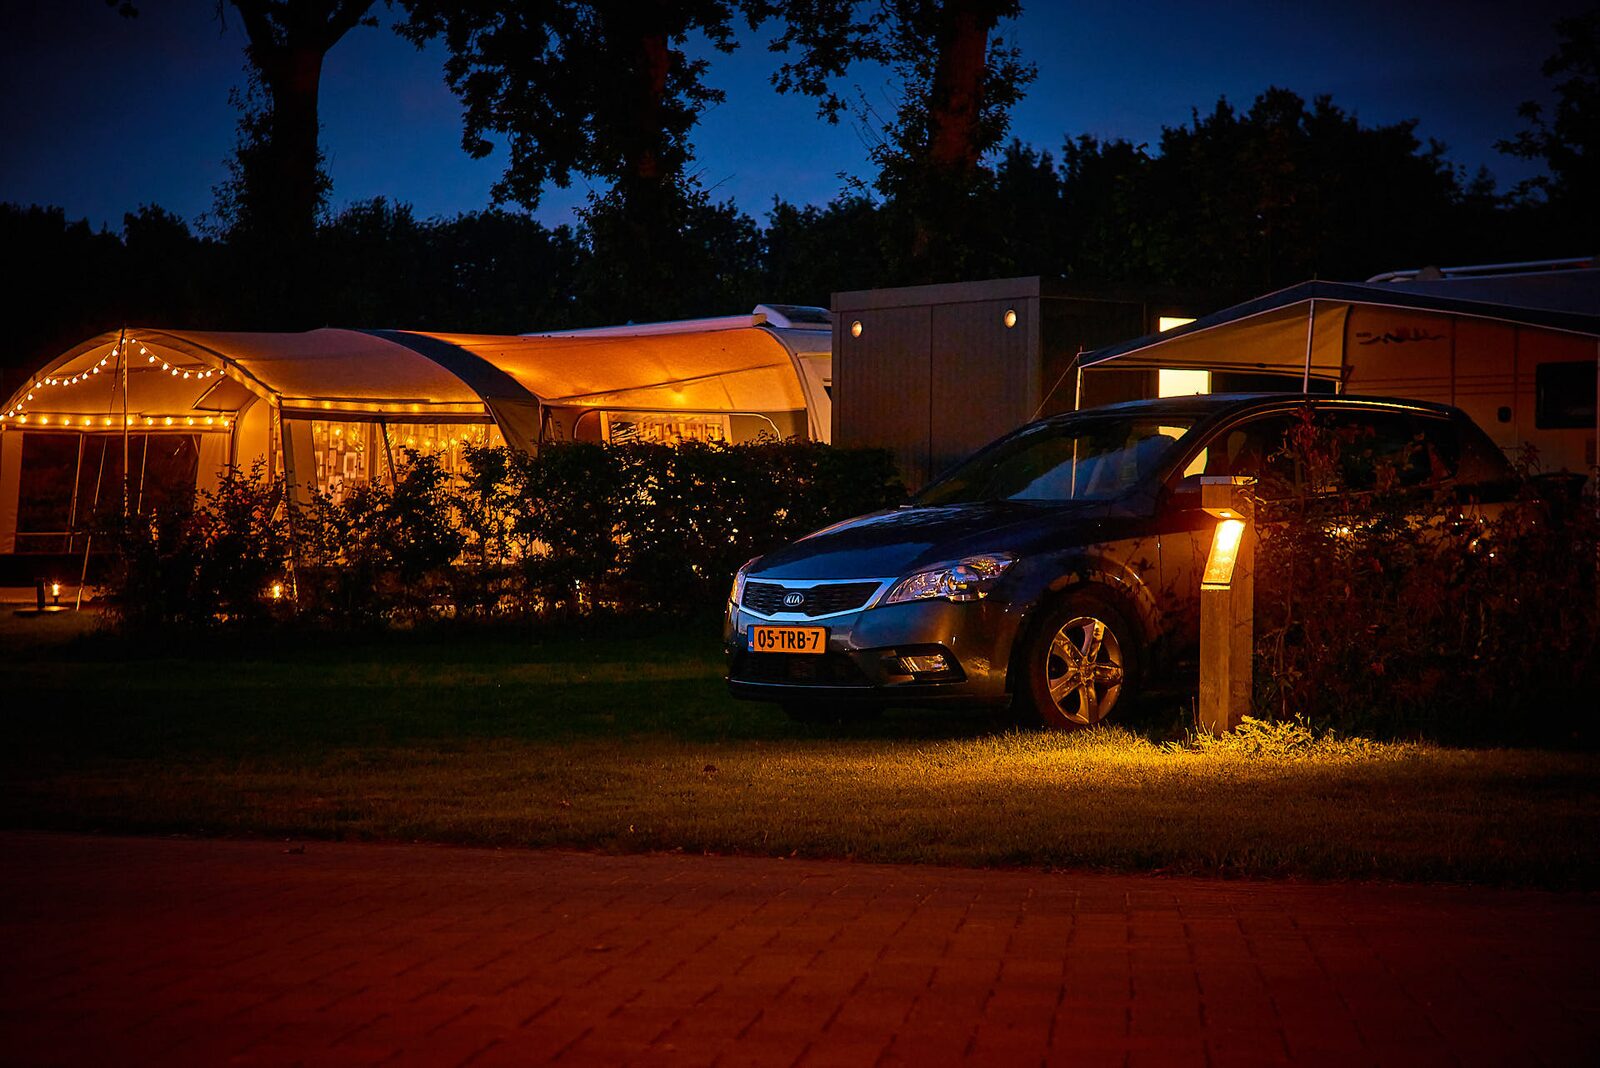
1082	460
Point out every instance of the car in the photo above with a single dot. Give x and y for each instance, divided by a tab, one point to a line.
1058	569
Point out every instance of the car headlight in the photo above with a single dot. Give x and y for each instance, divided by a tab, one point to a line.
968	579
737	593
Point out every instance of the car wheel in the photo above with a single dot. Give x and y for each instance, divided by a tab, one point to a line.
1080	662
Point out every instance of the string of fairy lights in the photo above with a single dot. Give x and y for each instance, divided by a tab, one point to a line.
19	414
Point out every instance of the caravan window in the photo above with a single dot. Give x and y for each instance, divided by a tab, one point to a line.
1564	396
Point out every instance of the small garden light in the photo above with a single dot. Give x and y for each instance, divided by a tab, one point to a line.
1227	604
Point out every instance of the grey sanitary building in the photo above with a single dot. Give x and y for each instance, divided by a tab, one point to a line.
935	372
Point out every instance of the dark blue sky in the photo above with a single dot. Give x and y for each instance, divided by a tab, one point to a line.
100	114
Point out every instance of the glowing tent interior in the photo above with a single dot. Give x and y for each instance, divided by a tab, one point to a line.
328	409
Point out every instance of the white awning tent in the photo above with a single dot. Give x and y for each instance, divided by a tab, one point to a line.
329	408
1410	340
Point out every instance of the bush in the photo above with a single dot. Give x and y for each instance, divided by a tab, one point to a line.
381	553
202	560
573	529
1400	612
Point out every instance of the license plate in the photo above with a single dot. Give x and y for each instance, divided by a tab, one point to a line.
813	640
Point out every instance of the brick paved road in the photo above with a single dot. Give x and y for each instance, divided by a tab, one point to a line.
120	950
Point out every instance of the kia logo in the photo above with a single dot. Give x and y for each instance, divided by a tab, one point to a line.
794	600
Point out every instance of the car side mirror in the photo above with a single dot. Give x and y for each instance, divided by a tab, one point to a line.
1185	493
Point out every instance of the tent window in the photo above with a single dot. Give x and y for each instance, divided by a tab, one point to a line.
70	482
1564	396
44	494
663	429
347	455
448	441
171	462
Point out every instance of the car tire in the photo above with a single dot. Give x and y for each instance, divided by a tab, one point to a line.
1079	663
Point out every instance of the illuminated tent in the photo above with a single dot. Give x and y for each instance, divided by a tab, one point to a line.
1526	373
330	409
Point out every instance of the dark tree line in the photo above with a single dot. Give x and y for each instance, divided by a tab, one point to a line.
1235	201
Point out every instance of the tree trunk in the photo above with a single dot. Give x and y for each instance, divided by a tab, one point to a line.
955	102
295	160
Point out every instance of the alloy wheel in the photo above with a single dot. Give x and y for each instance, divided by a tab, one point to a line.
1084	670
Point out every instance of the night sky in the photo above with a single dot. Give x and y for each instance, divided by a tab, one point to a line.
99	114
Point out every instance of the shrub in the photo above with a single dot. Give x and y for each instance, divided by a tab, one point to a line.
204	559
1398	611
574	528
380	553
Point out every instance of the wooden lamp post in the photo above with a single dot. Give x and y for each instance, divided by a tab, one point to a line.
1227	603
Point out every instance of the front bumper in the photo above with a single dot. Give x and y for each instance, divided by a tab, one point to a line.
862	662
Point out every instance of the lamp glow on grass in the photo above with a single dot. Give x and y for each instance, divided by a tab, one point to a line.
628	742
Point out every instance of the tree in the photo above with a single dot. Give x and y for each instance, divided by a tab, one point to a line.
958	84
278	186
1568	143
1252	200
603	91
596	89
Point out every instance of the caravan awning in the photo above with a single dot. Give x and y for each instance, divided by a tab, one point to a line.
1301	330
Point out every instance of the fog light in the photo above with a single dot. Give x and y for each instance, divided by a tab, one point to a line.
926	664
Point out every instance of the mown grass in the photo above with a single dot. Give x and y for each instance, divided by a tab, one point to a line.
621	737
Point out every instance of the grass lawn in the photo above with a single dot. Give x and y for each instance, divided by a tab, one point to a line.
623	739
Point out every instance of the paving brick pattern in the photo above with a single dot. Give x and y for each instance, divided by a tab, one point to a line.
173	952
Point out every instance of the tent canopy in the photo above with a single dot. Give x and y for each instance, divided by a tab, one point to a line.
1300	330
416	376
739	369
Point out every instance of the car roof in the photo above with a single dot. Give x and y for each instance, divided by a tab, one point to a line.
1207	405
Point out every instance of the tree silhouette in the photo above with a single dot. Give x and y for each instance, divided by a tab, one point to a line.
277	185
1568	143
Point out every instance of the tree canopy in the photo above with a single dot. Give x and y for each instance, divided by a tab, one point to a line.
1235	200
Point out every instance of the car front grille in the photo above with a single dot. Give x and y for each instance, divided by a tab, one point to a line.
768	597
829	669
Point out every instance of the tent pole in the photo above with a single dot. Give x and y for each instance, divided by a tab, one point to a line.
122	344
388	453
1311	332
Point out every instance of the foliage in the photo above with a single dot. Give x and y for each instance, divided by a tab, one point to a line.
202	561
957	84
1258	198
1289	739
602	90
278	184
379	553
1386	609
574	529
1568	142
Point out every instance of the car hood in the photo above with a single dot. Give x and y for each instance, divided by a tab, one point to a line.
893	543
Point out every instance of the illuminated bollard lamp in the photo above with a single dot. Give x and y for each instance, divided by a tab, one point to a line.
1227	603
